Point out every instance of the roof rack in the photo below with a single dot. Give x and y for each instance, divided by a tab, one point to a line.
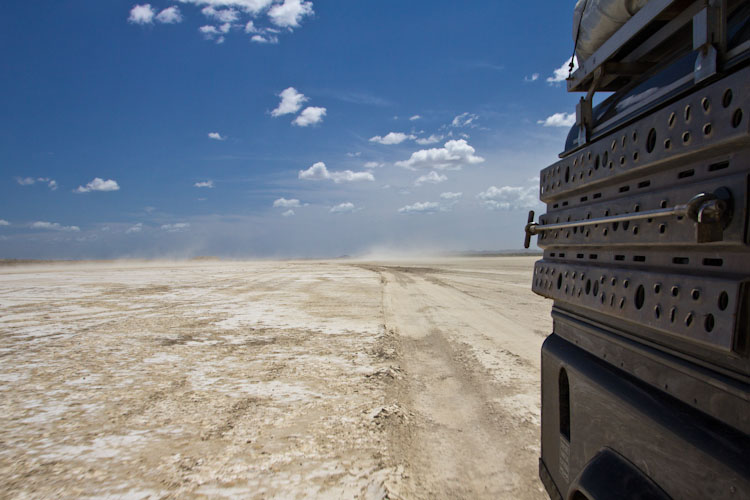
638	46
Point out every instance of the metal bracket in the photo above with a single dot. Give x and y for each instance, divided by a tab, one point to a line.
711	212
709	38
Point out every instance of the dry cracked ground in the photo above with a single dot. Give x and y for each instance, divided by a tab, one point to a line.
309	379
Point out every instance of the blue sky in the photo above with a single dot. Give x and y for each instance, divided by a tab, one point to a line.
276	128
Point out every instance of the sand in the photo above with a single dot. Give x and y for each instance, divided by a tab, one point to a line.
309	379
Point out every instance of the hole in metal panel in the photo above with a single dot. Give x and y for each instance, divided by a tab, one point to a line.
596	288
619	257
605	157
689	319
593	256
687	113
651	140
644	184
663	204
625	283
675	291
588	287
657	312
640	296
662	228
707	129
680	260
705	104
657	288
639	258
597	195
670	121
567	174
625	225
579	256
726	99
708	323
686	137
723	301
695	294
686	173
718	166
667	143
672	314
713	262
559	281
624	189
584	198
737	118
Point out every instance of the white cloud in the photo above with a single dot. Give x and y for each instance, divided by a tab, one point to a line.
211	33
142	14
311	115
290	13
465	120
288	213
432	139
561	73
452	156
265	39
252	7
534	77
559	120
137	228
420	207
54	226
373	164
318	172
415	117
175	228
204	184
284	203
431	178
98	185
509	197
216	136
346	207
28	181
450	196
221	15
170	15
4	222
392	138
291	102
355	154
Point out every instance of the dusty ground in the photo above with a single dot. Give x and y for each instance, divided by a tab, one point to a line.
331	379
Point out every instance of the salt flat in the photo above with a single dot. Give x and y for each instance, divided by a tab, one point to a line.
261	379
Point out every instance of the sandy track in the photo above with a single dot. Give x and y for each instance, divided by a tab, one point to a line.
270	380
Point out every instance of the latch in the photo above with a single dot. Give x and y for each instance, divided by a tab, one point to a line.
711	212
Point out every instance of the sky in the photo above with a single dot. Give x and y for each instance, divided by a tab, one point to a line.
276	128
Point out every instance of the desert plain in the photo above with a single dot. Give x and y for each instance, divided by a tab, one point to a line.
271	379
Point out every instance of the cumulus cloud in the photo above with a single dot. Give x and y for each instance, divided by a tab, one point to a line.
28	181
175	228
137	228
222	15
288	213
431	178
142	14
392	138
170	15
415	117
561	73
291	102
559	120
290	13
509	197
311	115
212	33
465	120
318	172
346	207
373	164
98	184
4	222
204	184
54	226
452	156
432	139
450	196
420	207
272	39
252	7
534	77
216	136
284	203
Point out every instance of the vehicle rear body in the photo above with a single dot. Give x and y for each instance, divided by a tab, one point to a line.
646	238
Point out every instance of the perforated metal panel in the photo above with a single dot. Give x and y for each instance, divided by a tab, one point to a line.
660	275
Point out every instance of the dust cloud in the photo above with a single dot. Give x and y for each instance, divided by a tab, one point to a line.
270	379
